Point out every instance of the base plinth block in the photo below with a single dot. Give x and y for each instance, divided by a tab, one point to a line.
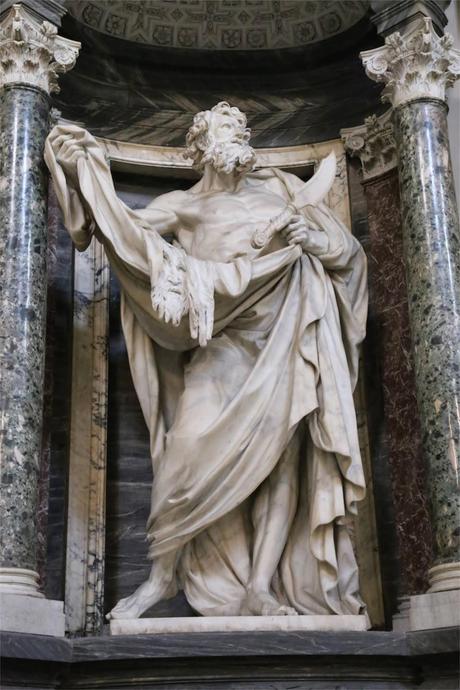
435	610
153	626
30	614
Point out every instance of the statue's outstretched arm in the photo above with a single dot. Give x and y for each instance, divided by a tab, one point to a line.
86	194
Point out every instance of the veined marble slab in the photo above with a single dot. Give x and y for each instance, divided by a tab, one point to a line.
153	626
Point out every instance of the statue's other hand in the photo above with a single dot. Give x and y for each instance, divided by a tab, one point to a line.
312	241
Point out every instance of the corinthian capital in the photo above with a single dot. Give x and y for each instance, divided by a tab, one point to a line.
373	143
418	64
32	52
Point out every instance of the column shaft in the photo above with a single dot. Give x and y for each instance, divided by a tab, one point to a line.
24	113
431	248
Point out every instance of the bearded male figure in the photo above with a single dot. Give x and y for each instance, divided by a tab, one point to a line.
244	360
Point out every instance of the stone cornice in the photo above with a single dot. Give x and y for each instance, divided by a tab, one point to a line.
417	64
373	143
400	15
33	53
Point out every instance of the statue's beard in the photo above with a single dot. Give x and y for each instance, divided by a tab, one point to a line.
229	156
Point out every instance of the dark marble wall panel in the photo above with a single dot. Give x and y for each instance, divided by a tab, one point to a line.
43	480
235	661
129	471
378	435
393	351
56	421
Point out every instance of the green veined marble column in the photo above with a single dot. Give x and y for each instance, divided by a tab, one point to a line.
417	68
431	247
374	144
24	114
31	55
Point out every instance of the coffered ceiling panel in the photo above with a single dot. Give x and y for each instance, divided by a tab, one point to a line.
232	25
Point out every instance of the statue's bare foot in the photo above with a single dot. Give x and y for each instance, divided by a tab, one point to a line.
262	603
145	596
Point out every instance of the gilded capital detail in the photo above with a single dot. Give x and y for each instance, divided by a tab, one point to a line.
373	143
32	53
418	64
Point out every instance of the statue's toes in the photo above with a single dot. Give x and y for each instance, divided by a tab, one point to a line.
124	609
287	611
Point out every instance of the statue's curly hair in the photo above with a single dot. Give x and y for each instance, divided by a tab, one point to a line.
197	136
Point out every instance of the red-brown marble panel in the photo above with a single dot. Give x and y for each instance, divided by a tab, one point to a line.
389	293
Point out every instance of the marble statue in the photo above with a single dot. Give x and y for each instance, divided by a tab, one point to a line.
242	309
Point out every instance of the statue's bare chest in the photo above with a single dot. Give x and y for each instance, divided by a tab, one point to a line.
221	225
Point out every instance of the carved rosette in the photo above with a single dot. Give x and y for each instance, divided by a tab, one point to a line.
418	64
373	143
33	53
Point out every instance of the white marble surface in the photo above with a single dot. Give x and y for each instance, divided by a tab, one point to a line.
444	577
155	626
20	581
435	610
19	613
416	64
373	143
33	53
88	443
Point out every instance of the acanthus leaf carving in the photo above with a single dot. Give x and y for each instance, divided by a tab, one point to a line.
418	64
373	143
33	53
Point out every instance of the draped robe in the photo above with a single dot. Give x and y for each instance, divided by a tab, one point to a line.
270	389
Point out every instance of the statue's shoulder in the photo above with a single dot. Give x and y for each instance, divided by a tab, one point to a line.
278	181
170	200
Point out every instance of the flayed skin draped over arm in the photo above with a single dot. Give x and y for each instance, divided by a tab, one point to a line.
86	194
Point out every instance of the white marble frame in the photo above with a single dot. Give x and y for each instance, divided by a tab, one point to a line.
84	581
84	596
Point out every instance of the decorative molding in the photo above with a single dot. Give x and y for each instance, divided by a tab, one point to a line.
220	25
150	159
49	10
32	53
417	64
84	596
400	15
373	143
444	577
20	581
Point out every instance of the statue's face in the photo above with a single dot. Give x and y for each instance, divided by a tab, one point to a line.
220	140
224	129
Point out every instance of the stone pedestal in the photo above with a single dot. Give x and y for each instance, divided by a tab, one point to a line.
31	55
417	68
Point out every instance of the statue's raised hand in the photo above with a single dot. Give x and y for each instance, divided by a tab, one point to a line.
69	147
